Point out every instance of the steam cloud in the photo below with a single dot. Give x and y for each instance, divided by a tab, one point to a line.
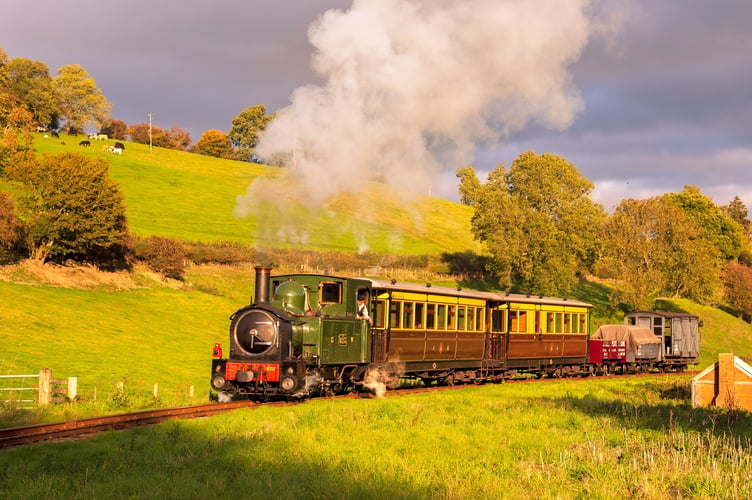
414	86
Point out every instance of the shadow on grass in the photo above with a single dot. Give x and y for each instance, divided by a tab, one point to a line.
667	416
182	460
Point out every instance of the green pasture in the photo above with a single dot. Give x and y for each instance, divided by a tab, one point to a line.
192	197
143	336
594	438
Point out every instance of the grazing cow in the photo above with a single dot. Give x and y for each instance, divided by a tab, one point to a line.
119	145
116	151
92	137
84	143
41	128
101	137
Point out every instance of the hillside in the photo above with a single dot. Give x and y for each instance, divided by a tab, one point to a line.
193	198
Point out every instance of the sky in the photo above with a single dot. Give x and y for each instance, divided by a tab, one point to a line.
643	97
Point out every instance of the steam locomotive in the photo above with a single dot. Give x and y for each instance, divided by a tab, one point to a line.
306	335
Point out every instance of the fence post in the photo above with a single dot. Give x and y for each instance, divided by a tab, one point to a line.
72	388
45	393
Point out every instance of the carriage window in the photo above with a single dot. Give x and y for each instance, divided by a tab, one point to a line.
331	293
471	325
583	323
480	317
461	318
550	322
378	314
537	322
518	321
419	315
441	317
559	323
407	315
451	317
431	316
394	315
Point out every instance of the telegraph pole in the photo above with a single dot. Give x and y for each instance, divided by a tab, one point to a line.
150	132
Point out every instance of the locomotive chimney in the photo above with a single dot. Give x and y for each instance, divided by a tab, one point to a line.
262	284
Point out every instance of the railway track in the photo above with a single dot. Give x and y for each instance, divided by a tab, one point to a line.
70	429
15	436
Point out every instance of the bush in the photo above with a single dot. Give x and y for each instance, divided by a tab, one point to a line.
162	255
223	252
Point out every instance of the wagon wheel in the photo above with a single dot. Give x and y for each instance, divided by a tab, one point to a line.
448	380
605	371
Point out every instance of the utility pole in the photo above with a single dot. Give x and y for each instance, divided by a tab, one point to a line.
150	132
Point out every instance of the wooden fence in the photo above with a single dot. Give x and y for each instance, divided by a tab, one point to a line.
46	390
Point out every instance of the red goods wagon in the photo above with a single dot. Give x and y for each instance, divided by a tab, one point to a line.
608	351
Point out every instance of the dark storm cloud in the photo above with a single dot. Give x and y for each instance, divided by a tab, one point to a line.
667	100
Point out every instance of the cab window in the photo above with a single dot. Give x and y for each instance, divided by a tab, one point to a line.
330	292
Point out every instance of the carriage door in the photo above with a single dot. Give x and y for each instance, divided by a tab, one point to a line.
497	341
379	330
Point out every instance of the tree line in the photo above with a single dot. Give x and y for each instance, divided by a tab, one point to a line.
543	232
71	102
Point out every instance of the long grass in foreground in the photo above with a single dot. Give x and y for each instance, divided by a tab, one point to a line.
615	438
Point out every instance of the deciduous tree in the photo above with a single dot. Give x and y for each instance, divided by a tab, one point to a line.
31	83
115	129
538	221
81	101
247	128
469	185
737	280
718	228
71	208
652	248
215	143
10	230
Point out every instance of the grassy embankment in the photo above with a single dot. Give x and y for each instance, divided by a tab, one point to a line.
615	438
191	197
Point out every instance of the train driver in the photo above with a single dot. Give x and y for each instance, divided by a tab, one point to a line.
363	306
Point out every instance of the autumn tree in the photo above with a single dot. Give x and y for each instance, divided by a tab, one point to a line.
10	230
215	143
70	207
247	128
537	221
81	101
115	129
652	248
177	138
737	281
31	83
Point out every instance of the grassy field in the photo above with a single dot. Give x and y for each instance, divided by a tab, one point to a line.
199	198
600	438
607	438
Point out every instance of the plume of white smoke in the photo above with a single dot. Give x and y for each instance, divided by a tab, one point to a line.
413	86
